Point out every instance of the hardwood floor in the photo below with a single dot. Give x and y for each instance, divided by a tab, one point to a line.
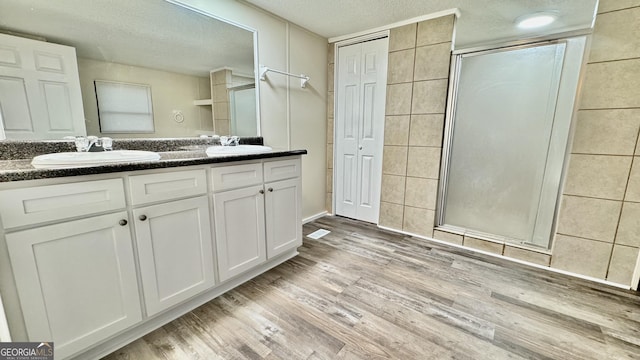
364	293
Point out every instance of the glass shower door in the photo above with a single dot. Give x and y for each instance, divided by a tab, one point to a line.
507	146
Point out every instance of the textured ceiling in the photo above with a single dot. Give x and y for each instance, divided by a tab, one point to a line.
149	33
481	21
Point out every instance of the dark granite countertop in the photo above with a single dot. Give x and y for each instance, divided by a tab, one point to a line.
15	156
21	169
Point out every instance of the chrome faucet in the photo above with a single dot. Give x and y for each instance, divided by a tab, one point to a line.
229	140
93	143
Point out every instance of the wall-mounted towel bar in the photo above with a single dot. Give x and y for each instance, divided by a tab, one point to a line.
304	79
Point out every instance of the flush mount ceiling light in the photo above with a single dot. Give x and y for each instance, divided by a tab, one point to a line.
535	20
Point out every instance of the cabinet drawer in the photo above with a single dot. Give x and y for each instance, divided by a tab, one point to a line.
167	186
236	176
33	205
281	169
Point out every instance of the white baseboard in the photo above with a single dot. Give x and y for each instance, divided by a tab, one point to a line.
548	268
314	217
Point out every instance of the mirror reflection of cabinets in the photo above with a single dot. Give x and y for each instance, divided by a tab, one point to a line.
159	44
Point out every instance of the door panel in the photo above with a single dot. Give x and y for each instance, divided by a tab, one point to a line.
361	96
176	251
240	230
76	281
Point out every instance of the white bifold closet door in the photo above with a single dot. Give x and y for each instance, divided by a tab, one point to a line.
359	128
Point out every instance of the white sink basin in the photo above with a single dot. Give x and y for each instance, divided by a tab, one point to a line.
84	159
237	150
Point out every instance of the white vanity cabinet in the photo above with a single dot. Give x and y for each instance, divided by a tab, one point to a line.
100	260
239	218
175	245
283	206
76	279
259	220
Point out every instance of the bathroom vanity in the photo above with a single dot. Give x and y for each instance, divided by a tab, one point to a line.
95	257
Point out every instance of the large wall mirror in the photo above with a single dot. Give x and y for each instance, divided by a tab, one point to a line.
120	68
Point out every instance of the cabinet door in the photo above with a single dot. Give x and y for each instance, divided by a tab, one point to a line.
76	281
283	216
175	250
239	223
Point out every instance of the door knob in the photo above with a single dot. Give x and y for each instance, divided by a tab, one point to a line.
122	222
261	191
270	189
360	147
142	217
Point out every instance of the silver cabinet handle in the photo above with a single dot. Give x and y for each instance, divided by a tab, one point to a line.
142	217
261	191
360	147
123	222
270	189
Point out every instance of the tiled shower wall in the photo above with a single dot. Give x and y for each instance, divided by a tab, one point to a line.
598	231
599	226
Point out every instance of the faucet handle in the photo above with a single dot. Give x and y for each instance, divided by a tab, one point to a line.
107	143
235	140
82	143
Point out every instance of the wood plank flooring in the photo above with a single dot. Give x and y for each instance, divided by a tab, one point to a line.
364	293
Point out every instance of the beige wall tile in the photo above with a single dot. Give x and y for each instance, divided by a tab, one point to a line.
399	99
600	176
331	53
220	93
581	256
629	227
432	62
330	104
623	262
483	245
531	256
330	181
403	37
329	202
447	236
329	156
418	221
221	110
391	215
589	218
392	189
435	31
426	130
633	188
607	132
330	77
220	77
330	129
394	160
424	162
396	130
429	97
421	193
612	85
616	36
400	68
610	5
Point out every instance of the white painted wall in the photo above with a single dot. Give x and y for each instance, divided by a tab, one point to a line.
291	118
